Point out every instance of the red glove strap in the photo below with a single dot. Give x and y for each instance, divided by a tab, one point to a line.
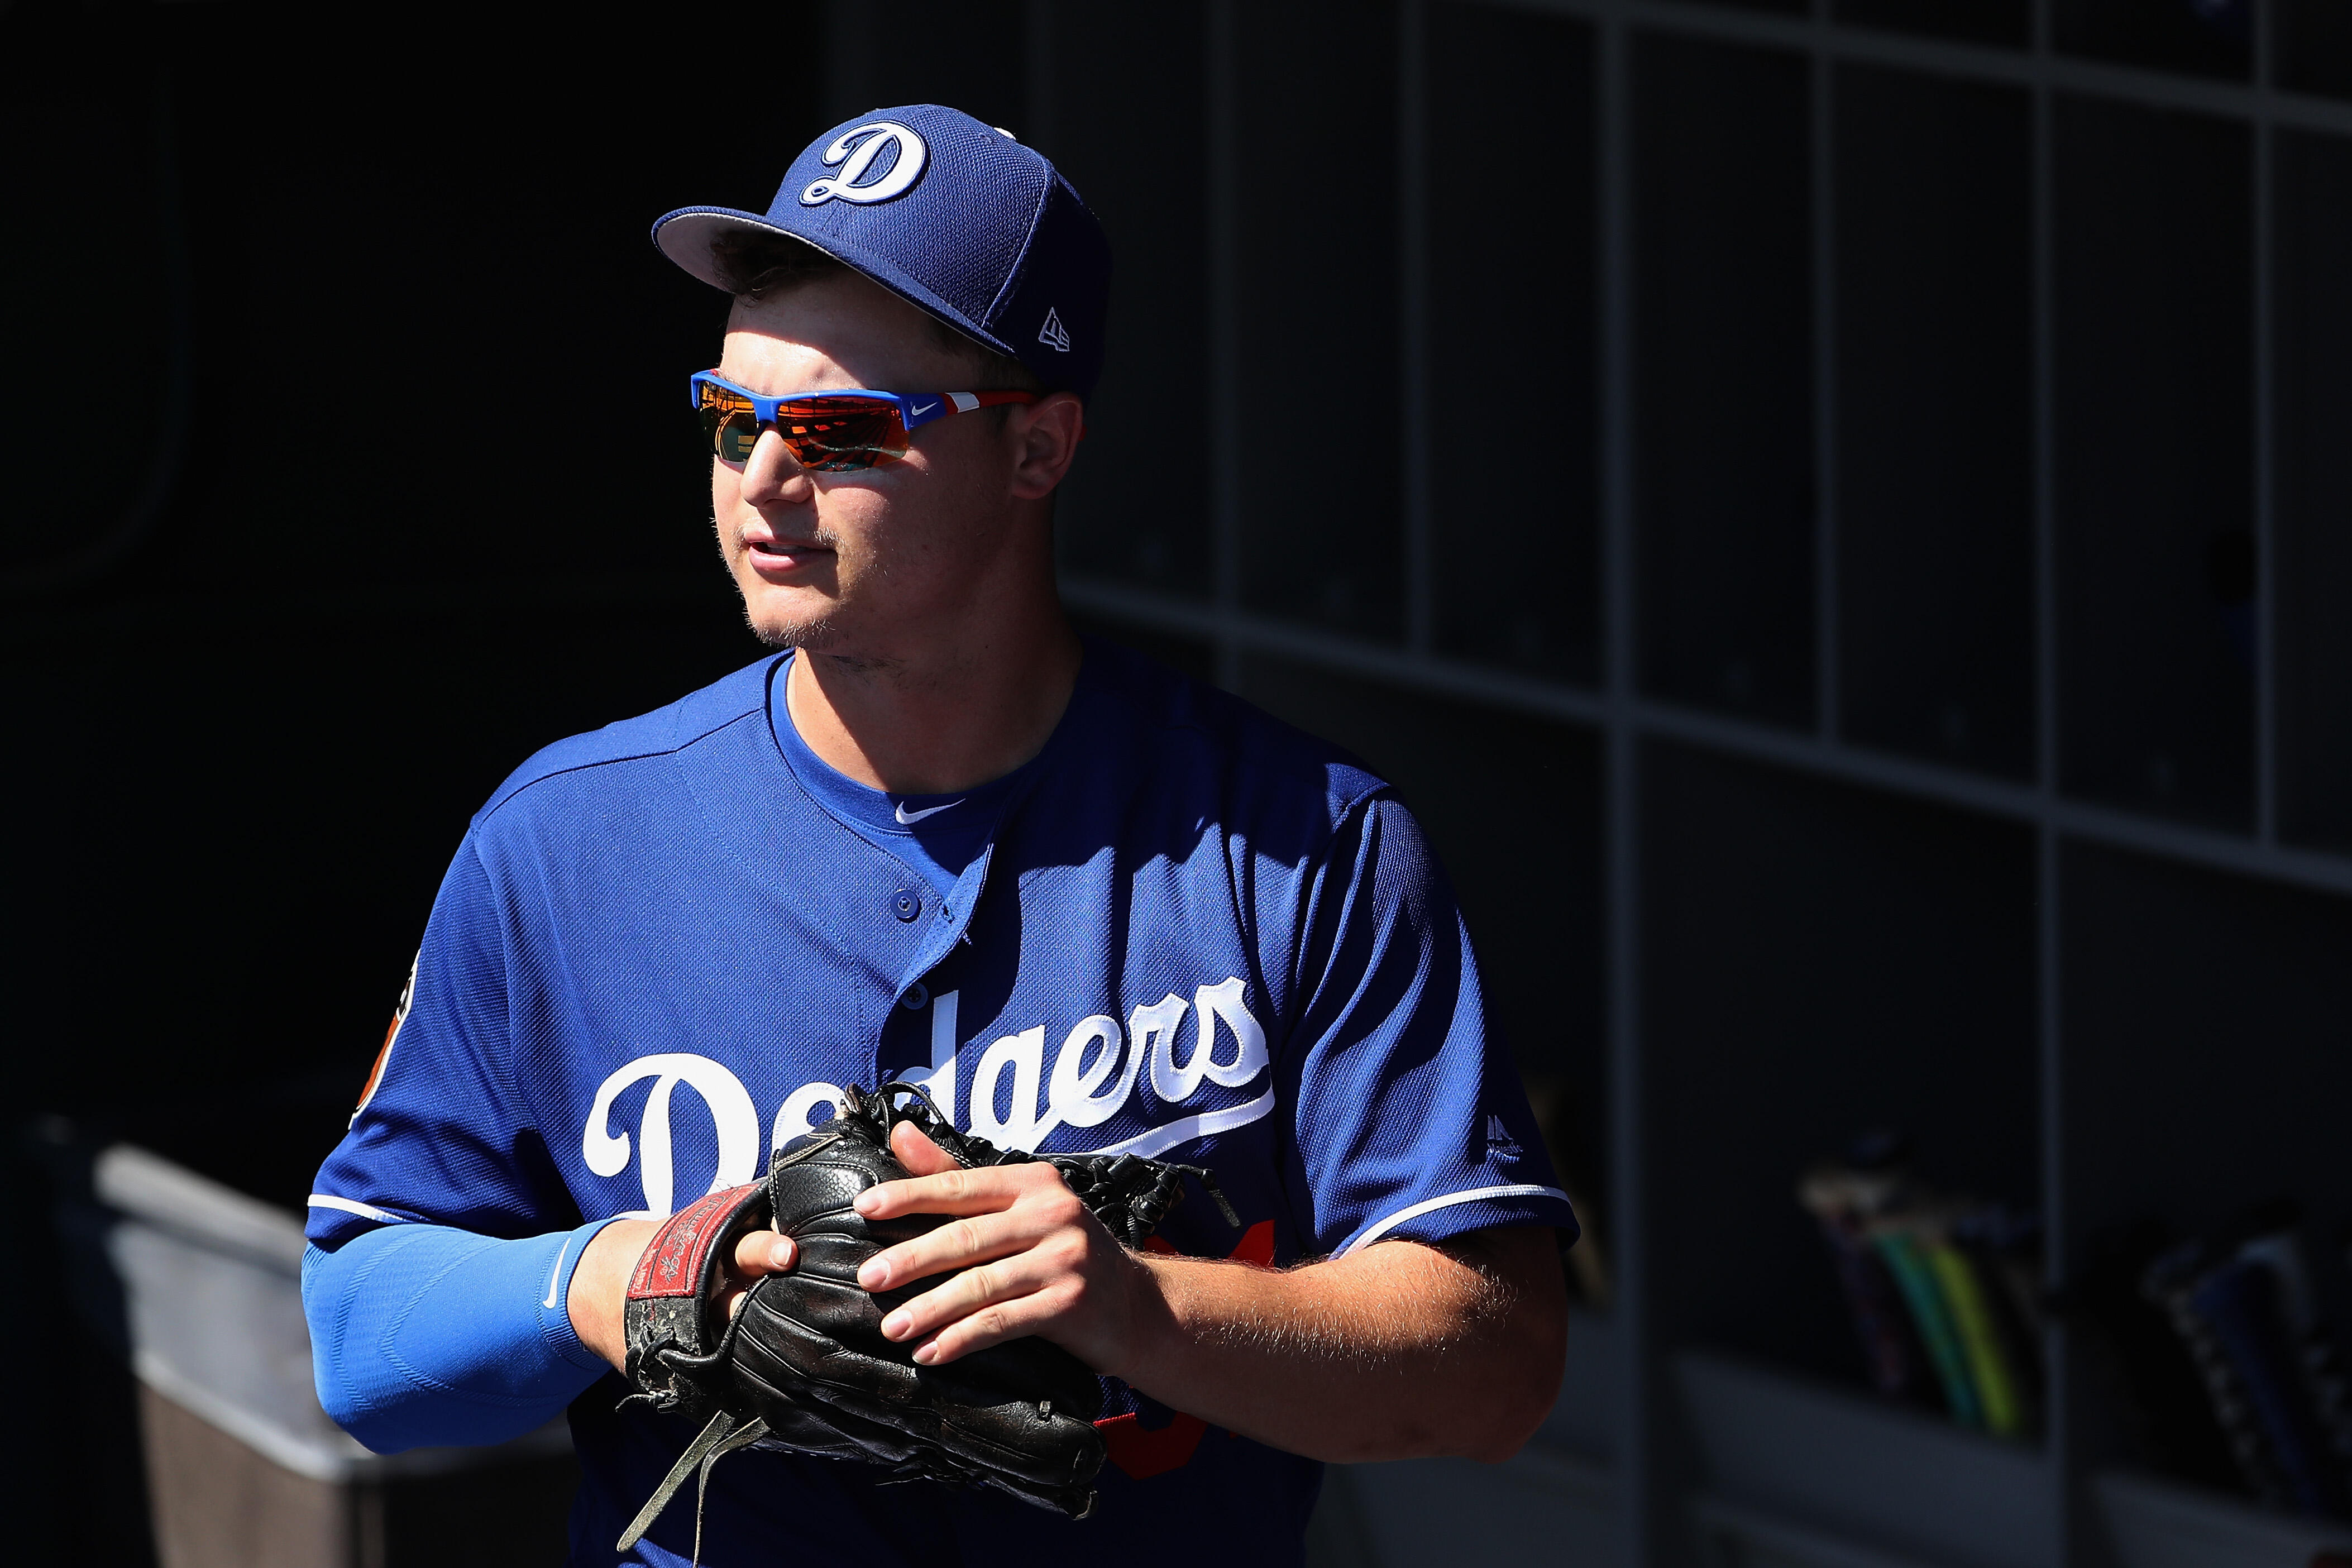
674	1263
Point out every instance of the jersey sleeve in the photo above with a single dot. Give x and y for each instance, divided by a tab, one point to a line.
1409	1118
442	1136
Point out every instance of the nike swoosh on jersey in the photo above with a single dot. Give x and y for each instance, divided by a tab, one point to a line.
909	818
549	1302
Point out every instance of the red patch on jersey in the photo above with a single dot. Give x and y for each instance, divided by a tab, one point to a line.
383	1055
1256	1246
673	1265
1143	1454
383	1052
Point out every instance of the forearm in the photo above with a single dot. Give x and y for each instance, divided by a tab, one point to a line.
1399	1350
422	1334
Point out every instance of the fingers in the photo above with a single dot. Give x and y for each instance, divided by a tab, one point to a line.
918	1153
958	1244
760	1252
766	1252
999	1211
1018	1295
956	1190
989	1326
1022	1255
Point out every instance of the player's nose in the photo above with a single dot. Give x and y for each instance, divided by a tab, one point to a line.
773	476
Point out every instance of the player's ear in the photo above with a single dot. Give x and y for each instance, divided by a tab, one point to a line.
1045	436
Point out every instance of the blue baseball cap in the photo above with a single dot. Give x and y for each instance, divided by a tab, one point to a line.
956	217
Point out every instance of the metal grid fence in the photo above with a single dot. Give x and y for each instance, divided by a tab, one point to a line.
1625	708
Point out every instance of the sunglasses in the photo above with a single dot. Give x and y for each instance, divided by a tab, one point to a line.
831	432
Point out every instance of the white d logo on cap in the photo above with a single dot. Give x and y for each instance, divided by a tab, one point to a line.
845	186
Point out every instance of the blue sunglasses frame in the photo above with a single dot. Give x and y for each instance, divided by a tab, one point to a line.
913	409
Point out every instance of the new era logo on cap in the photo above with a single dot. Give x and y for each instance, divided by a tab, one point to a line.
957	218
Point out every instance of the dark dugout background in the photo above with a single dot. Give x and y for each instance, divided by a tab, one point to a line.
346	464
345	469
1850	561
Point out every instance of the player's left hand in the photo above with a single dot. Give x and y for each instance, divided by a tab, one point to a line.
1033	1261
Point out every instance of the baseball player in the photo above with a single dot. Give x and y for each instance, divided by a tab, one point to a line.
1090	904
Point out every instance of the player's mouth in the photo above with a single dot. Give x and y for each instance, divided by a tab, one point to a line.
771	556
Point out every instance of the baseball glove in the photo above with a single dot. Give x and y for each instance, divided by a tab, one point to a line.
801	1365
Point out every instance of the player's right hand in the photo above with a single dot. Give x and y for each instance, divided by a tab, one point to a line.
600	1285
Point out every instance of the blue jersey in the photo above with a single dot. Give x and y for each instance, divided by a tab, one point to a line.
1185	929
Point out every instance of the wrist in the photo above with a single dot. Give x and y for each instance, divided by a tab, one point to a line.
557	1325
1157	1320
599	1287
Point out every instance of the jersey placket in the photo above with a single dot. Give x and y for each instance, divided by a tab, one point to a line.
947	926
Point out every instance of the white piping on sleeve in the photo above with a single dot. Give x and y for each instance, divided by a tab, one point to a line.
1415	1211
350	1205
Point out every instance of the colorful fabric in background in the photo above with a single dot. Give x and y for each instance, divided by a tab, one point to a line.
1190	933
2216	1352
2246	1309
1945	1294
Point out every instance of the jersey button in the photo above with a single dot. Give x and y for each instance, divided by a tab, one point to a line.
918	997
905	905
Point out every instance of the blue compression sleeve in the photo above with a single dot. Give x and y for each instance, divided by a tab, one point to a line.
420	1334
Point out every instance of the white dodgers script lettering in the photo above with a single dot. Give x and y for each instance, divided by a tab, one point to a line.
798	1113
1222	1002
1025	1055
1072	1098
1093	1079
729	1104
1153	1030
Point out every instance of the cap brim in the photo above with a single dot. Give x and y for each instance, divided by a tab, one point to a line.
686	235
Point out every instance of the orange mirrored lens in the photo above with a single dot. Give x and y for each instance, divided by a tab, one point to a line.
831	435
834	434
729	424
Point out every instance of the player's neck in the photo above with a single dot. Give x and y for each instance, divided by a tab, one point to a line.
951	715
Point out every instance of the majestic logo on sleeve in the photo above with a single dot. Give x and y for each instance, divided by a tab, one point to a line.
1194	1056
877	160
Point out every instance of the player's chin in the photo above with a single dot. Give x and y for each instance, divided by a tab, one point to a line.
790	617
